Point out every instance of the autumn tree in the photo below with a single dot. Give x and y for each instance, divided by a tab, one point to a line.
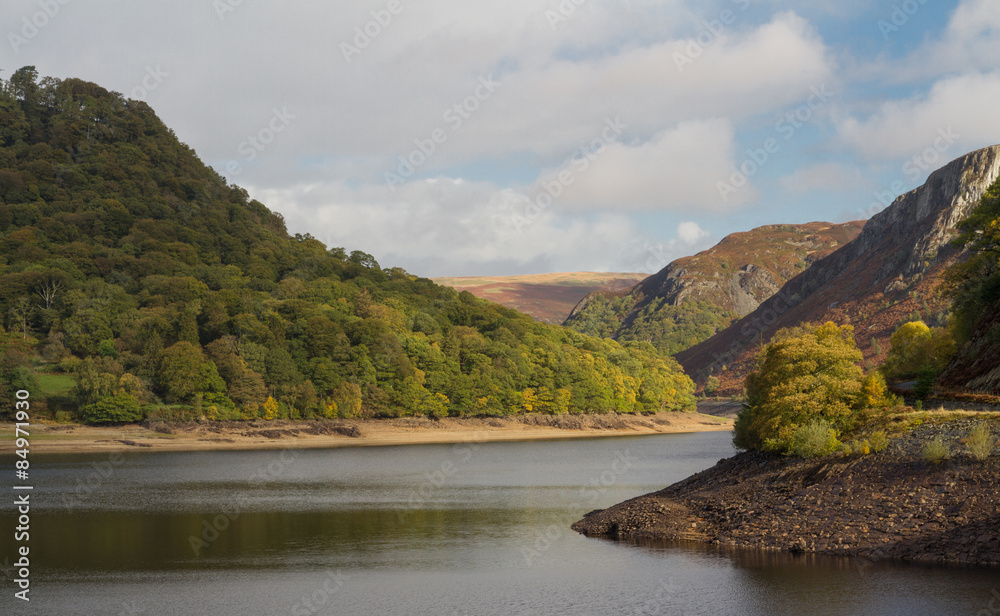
806	374
917	348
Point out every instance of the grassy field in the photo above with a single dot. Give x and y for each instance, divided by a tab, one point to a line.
54	385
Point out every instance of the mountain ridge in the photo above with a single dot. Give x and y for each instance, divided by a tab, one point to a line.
695	296
889	273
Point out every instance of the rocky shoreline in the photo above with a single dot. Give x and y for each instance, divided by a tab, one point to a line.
889	505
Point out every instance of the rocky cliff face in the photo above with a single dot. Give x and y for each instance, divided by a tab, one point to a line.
729	280
887	274
744	269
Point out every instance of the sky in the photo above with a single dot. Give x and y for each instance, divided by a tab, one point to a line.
508	137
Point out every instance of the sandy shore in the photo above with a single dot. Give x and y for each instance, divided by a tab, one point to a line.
54	438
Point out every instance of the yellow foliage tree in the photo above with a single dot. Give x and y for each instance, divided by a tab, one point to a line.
803	375
916	348
874	394
270	409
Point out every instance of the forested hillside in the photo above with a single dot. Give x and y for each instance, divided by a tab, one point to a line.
128	264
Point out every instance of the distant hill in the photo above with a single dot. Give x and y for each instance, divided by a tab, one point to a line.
548	298
888	275
694	297
131	266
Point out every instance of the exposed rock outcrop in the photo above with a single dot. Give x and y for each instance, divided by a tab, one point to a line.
732	279
890	505
889	272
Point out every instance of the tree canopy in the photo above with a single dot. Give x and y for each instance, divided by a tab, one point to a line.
803	375
128	262
974	284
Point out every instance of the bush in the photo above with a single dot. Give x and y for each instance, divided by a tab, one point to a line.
111	409
980	442
879	441
856	448
925	383
935	451
712	386
814	440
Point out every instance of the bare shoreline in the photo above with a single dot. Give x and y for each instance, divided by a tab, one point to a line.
260	435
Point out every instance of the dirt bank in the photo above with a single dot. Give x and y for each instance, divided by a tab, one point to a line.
890	505
194	436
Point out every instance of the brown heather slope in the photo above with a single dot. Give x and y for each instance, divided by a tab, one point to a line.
546	297
695	297
888	274
746	268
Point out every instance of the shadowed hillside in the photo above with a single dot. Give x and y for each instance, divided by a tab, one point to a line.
890	274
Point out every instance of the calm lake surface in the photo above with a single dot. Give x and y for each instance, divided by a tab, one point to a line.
469	529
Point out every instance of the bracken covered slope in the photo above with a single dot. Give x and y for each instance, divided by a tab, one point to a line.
694	297
886	276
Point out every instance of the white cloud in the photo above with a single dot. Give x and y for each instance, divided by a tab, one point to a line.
965	106
676	170
969	42
824	177
691	233
452	227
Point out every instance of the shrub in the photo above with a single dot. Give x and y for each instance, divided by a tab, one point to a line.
814	440
879	441
712	386
935	451
980	442
856	448
119	408
925	383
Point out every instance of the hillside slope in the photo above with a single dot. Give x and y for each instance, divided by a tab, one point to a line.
694	297
887	275
130	265
548	298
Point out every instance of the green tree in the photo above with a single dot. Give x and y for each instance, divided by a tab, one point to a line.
118	408
916	348
974	284
802	375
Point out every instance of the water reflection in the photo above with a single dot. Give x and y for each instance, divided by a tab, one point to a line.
194	534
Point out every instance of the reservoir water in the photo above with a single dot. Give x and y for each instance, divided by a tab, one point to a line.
451	530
